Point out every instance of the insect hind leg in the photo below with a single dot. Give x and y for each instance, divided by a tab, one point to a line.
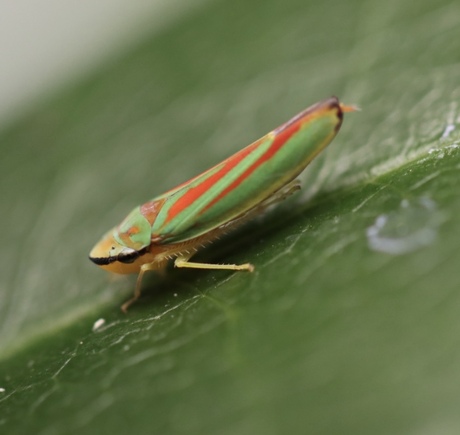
281	194
183	262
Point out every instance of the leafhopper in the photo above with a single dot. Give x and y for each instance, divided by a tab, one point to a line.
175	225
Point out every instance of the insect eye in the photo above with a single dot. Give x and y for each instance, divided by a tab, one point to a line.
127	255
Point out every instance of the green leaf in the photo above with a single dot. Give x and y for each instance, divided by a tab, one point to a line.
349	323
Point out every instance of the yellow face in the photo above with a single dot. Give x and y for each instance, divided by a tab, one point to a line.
110	255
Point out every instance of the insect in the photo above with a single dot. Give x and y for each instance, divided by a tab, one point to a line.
178	223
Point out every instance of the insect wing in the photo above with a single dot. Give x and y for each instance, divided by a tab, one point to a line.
247	178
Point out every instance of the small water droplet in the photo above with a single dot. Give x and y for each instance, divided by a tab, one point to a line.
98	324
413	226
448	130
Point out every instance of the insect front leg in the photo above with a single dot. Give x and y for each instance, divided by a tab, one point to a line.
182	261
138	290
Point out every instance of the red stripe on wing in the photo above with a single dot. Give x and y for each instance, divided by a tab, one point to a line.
195	192
277	144
283	134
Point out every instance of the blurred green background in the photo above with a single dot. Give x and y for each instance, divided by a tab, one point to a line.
350	323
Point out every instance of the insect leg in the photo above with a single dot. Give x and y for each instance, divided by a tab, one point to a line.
282	194
182	261
137	291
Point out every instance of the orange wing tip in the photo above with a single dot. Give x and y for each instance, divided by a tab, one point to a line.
351	108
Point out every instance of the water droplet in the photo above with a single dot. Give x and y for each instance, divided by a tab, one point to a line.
98	324
448	130
413	226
